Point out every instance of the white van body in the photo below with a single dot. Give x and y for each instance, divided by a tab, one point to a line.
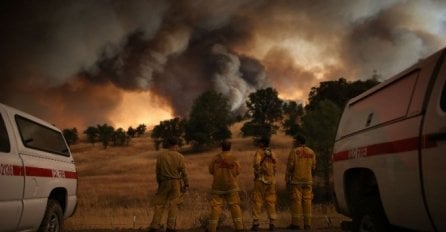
390	151
38	176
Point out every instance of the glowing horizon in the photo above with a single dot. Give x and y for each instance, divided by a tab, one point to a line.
140	108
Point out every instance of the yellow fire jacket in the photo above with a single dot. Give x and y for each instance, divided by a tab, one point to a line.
265	166
301	162
225	168
170	165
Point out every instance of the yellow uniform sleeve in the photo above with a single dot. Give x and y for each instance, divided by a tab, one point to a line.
236	168
256	163
275	162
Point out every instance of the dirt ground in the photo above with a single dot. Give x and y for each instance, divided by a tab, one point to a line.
331	228
193	230
117	183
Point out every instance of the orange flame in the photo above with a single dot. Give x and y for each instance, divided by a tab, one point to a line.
140	108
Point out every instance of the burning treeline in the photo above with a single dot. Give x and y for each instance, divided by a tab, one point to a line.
78	59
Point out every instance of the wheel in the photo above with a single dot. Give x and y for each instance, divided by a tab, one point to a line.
53	218
370	217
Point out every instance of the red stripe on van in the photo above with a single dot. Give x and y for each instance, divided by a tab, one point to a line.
15	170
40	172
403	145
70	175
18	171
44	172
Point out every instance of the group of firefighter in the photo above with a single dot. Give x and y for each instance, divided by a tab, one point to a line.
225	168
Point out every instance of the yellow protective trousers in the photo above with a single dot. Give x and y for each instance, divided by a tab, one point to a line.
168	194
264	194
217	203
301	196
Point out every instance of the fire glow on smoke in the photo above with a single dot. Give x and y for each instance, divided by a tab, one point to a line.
80	63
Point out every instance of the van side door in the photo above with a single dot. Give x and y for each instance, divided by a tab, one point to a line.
433	154
47	162
12	177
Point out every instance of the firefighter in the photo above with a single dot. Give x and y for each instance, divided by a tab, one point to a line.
301	163
170	174
264	185
225	188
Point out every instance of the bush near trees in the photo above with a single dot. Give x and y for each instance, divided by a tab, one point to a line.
173	128
321	118
209	120
70	135
339	92
92	134
293	114
264	110
141	129
319	127
105	133
131	132
120	137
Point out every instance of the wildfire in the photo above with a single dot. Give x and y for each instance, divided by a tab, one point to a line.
140	108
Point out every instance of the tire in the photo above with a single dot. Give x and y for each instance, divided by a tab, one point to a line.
370	216
53	218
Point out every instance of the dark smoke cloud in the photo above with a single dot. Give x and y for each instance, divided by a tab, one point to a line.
401	34
46	46
71	61
283	72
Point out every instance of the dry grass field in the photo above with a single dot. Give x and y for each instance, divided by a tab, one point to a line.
116	185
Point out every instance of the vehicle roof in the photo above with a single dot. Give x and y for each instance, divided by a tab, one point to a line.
395	78
15	111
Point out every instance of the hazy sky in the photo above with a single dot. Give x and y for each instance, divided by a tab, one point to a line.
82	62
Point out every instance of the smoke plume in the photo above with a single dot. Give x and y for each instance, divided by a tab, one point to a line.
72	62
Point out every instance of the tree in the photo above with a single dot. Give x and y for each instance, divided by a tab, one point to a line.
339	92
293	114
319	127
141	129
92	134
120	137
322	115
70	135
209	120
173	128
131	132
264	110
105	133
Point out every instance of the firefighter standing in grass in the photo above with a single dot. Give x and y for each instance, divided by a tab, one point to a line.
170	171
264	184
225	188
299	180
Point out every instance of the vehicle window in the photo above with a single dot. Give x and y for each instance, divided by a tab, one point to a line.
5	146
40	137
443	98
389	103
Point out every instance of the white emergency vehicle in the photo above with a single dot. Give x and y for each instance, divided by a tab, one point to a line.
38	179
389	157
